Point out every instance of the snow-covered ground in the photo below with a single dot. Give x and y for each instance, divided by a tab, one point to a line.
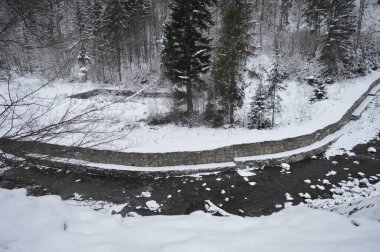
48	224
350	221
121	118
358	132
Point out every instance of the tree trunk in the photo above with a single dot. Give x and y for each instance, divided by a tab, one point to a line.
360	19
273	105
189	97
231	113
261	23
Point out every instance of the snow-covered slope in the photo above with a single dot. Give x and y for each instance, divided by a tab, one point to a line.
47	224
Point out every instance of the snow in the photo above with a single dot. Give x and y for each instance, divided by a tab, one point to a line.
285	166
152	205
371	150
125	116
46	223
246	172
145	194
295	120
211	166
362	130
304	195
327	140
212	208
330	173
288	197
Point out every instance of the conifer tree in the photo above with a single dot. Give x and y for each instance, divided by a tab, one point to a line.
98	40
84	36
286	5
114	21
231	52
337	42
186	48
257	116
315	15
275	78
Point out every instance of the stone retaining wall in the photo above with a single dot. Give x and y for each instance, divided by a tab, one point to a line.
219	155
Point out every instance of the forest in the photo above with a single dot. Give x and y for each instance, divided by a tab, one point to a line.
204	51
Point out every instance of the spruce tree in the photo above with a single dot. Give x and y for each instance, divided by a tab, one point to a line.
337	48
230	54
275	78
98	39
257	116
114	22
186	49
286	5
315	15
84	35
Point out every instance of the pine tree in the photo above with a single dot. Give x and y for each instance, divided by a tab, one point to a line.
275	78
315	15
257	116
84	35
186	49
114	21
337	42
98	40
230	54
286	5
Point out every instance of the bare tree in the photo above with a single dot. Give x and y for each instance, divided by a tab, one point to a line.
26	116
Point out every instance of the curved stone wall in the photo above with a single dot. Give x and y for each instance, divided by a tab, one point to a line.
219	155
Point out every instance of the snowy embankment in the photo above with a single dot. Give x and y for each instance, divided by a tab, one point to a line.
48	224
122	121
299	117
343	141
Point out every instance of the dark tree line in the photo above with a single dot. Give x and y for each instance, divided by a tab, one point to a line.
104	40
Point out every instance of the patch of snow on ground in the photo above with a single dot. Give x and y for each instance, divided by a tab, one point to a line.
46	223
360	131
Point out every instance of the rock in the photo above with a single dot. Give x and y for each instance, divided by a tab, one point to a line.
152	205
371	150
350	184
146	194
361	174
320	187
326	182
337	191
331	173
133	214
356	190
288	196
285	166
304	195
